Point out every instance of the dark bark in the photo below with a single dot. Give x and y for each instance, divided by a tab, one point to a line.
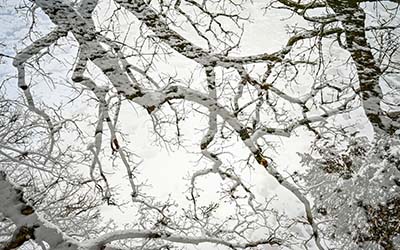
352	17
20	236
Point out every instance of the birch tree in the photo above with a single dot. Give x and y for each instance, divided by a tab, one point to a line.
337	59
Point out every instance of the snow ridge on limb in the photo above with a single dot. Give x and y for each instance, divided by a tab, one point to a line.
145	13
147	234
29	224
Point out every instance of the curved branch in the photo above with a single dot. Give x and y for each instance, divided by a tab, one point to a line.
14	207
